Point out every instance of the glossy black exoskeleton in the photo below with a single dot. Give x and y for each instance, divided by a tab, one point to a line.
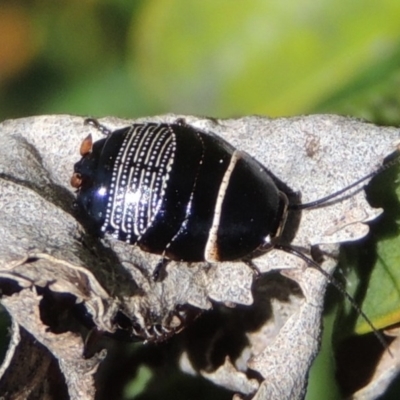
178	191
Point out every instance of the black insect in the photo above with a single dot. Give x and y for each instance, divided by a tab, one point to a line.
185	194
177	191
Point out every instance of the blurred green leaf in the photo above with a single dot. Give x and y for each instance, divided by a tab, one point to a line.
111	92
372	95
382	301
322	372
225	58
138	385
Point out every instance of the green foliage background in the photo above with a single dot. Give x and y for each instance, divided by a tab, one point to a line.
219	58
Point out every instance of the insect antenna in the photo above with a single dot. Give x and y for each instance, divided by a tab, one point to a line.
311	263
96	124
338	285
323	200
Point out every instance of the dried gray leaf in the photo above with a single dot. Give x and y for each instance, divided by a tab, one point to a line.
387	369
230	378
43	246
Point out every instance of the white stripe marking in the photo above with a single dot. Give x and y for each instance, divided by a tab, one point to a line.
211	249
